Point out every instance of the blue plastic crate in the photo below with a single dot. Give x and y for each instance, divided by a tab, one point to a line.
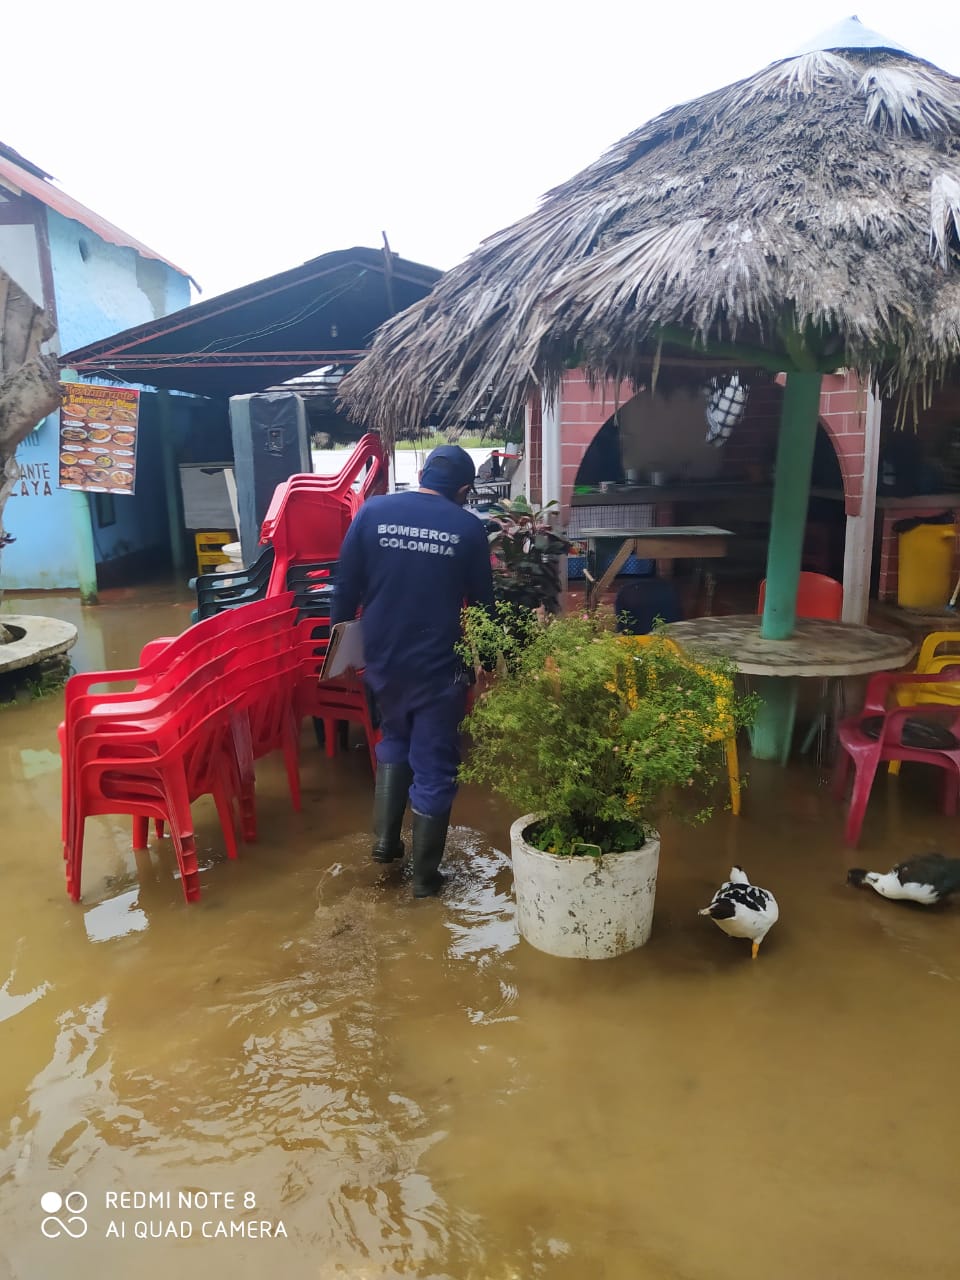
634	567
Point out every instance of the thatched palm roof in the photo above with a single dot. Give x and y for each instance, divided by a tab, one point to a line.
809	213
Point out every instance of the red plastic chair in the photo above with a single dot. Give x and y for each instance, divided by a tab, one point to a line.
330	701
105	719
158	655
867	752
333	701
237	673
157	774
311	528
260	698
817	597
265	720
256	628
188	749
368	450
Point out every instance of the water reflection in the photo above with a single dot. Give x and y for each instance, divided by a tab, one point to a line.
115	918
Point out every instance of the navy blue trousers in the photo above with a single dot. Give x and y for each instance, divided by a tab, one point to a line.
421	727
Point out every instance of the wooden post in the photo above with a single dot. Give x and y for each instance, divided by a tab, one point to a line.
858	547
791	496
551	447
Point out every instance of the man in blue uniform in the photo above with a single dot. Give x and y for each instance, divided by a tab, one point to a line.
411	561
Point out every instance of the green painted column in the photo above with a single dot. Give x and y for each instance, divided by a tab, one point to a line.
171	483
791	495
81	520
772	731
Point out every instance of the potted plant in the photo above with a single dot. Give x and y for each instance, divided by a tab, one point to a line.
593	737
526	554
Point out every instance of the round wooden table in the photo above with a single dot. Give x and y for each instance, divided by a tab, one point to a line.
817	649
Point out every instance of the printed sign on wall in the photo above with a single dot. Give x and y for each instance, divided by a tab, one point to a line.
98	438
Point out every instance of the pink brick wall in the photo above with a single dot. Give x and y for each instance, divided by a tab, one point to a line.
843	407
583	412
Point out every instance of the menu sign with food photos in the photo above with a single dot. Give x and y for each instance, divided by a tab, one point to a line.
98	438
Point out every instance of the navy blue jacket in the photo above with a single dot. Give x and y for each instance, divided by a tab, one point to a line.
411	561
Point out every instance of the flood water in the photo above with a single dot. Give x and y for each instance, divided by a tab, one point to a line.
413	1092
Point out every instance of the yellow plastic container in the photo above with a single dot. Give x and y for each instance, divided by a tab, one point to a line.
210	553
925	578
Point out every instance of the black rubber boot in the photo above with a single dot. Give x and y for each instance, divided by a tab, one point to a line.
429	838
389	804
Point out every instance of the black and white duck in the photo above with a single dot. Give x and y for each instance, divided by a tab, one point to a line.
742	909
928	878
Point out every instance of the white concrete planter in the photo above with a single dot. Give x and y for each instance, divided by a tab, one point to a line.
589	908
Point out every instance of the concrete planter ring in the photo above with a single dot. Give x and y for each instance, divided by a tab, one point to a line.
34	639
583	907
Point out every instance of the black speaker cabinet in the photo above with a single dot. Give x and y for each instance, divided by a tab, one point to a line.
270	443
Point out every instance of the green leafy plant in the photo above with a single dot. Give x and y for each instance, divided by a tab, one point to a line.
494	640
526	554
602	734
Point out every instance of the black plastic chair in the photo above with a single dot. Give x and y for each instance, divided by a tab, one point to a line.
219	591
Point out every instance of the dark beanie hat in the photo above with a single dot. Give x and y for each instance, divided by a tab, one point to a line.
448	469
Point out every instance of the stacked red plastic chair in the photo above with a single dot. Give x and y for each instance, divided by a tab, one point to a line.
203	708
305	525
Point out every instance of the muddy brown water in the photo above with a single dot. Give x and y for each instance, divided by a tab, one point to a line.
412	1091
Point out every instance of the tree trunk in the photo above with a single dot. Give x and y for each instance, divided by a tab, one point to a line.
29	382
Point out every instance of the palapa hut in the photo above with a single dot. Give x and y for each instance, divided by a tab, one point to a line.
802	221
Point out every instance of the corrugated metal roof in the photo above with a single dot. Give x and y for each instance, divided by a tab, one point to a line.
281	327
28	181
10	154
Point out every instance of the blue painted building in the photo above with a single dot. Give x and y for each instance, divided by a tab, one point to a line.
94	280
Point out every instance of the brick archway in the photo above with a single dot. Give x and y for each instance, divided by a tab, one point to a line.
584	410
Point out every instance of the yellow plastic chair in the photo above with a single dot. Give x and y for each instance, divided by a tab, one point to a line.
929	661
729	745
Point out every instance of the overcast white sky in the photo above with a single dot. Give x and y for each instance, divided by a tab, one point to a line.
241	139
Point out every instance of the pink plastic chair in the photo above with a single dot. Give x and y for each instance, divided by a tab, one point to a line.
877	734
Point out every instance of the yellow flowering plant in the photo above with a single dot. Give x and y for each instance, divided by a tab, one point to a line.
603	734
